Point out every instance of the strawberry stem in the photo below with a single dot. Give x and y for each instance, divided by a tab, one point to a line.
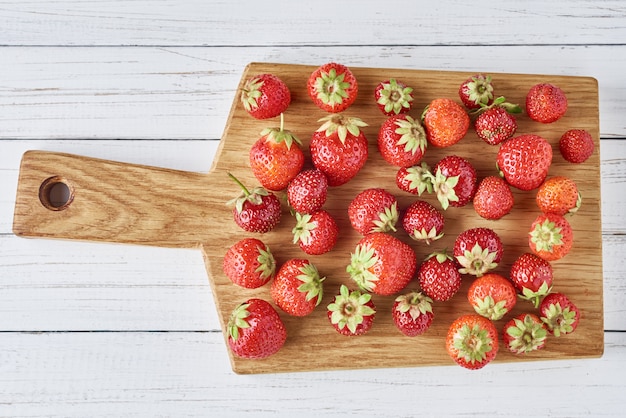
245	190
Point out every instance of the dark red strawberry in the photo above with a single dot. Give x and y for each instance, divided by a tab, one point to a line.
332	87
495	125
551	236
446	122
315	233
454	181
438	277
402	141
560	315
478	250
492	296
297	288
423	222
524	333
393	97
373	210
545	103
256	211
412	313
351	312
477	90
307	192
265	96
576	145
493	198
415	180
472	341
249	263
524	161
532	277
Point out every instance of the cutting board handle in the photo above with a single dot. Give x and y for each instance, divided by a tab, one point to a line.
80	198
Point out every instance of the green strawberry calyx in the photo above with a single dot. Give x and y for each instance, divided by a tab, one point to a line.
361	261
535	296
477	261
267	263
415	303
444	188
395	97
498	102
527	335
349	308
238	320
489	308
426	236
311	283
559	320
480	90
255	197
341	125
412	135
441	256
419	178
546	235
387	219
473	343
331	88
251	93
278	135
302	231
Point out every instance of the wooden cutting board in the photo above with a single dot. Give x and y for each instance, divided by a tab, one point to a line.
131	204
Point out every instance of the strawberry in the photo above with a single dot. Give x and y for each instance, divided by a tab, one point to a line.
402	141
382	264
339	149
249	263
492	296
524	161
255	330
307	192
550	237
423	222
524	333
454	181
532	277
265	96
477	250
495	125
393	97
412	313
472	341
438	277
351	312
315	233
415	180
276	157
493	198
297	288
332	87
373	210
576	145
445	121
477	90
545	103
256	211
558	195
560	315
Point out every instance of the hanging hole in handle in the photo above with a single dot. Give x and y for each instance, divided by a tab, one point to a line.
56	193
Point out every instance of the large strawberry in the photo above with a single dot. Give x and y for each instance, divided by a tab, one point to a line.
352	312
373	210
412	313
550	237
265	96
558	194
402	140
255	330
476	91
249	263
339	149
472	341
308	191
478	250
382	264
524	333
454	181
446	122
576	145
532	277
332	87
545	103
393	97
560	315
256	211
415	180
423	222
524	161
438	277
493	198
492	296
297	288
315	233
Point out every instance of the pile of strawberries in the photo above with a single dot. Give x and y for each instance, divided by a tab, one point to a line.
382	264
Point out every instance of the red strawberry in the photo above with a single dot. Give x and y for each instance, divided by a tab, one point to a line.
332	87
402	141
339	149
373	210
472	341
276	158
576	145
249	263
423	222
492	296
265	96
454	181
560	315
558	195
307	192
412	313
532	277
477	90
545	103
297	288
438	277
495	125
352	312
256	211
478	250
393	97
315	233
255	330
524	161
382	264
415	180
445	121
493	198
524	333
550	237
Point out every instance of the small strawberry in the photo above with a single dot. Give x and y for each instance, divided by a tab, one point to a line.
576	145
332	87
545	103
472	341
445	121
560	315
438	277
477	90
423	222
454	181
307	192
558	195
339	149
478	250
412	313
415	180
493	198
495	125
265	96
393	97
524	333
249	263
524	161
402	141
315	233
297	288
256	211
373	210
550	237
255	330
352	312
382	264
532	277
492	296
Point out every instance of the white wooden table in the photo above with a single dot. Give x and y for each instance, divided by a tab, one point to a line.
105	330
